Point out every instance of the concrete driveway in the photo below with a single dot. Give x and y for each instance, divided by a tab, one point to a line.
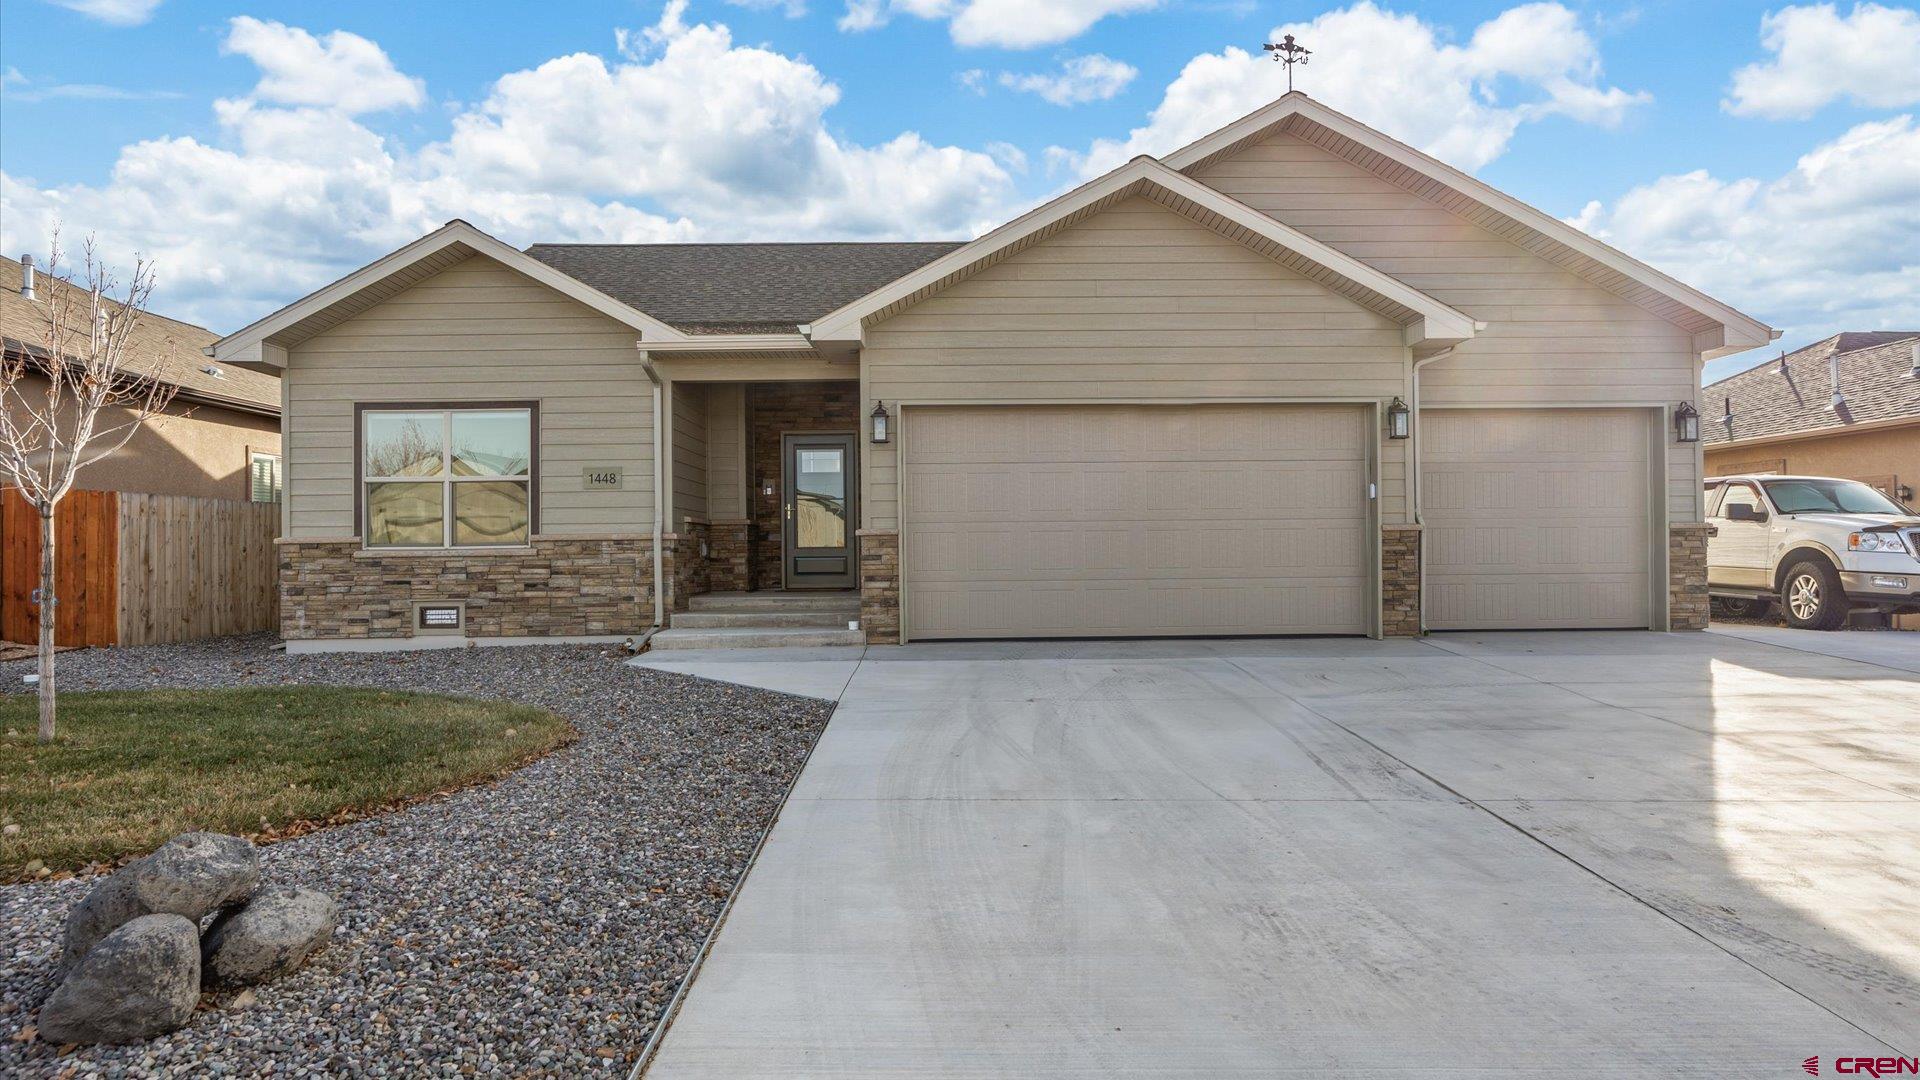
1580	854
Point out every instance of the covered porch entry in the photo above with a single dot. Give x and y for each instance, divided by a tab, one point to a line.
761	468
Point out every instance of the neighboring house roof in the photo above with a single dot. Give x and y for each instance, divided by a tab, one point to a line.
164	348
1542	234
1428	321
738	288
1791	396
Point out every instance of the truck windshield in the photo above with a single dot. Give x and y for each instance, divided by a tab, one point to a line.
1829	497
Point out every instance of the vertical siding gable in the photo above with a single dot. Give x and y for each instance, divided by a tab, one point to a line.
476	331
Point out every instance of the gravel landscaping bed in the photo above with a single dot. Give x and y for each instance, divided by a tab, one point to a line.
535	925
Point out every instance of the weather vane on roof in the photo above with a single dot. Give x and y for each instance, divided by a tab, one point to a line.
1289	53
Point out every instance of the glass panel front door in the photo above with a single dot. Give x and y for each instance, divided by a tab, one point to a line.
818	515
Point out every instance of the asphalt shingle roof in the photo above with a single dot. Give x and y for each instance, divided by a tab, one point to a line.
161	347
1790	395
738	288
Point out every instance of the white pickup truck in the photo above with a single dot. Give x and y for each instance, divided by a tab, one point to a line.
1821	547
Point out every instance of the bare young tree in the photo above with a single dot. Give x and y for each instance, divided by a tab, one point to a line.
68	400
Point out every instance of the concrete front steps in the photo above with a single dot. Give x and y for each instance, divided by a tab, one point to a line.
764	620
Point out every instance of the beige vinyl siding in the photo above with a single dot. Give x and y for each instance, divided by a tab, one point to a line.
726	451
476	332
1552	337
1136	303
689	455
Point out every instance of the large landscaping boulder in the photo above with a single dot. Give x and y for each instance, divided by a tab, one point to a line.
273	934
139	981
191	875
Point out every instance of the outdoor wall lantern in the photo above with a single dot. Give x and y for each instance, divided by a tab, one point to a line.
1686	422
882	423
1399	420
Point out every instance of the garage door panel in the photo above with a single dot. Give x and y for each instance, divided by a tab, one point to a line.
1155	491
1112	608
1536	518
1026	521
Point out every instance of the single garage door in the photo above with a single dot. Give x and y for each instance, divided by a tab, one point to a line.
1536	518
1097	520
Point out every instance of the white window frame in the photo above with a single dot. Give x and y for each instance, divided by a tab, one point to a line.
446	479
279	477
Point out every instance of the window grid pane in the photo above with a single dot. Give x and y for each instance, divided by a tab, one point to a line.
480	473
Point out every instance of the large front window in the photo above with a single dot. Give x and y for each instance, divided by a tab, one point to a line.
447	477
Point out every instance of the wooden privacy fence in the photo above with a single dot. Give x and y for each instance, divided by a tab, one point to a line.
137	569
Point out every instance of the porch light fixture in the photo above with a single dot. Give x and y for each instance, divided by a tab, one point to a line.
882	423
1399	420
1686	423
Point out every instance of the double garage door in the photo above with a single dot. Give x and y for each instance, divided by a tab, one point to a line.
1168	520
1098	521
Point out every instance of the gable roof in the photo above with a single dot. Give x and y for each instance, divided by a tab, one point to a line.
161	348
1790	396
1428	321
1719	329
738	288
263	343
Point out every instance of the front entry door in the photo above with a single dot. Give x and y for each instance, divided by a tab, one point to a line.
819	511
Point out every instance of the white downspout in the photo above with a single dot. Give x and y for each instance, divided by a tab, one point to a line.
1413	474
659	508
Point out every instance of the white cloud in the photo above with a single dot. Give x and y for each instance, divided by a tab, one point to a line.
338	70
1871	56
1461	103
113	12
1012	24
1832	245
792	9
1093	77
694	138
30	90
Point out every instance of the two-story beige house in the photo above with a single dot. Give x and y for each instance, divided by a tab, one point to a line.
1294	378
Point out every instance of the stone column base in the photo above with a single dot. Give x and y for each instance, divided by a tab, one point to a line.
727	556
1687	603
1400	580
880	586
686	569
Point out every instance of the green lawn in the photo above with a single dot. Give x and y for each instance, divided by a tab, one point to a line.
129	770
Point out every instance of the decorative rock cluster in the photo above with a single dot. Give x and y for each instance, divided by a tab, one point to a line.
135	961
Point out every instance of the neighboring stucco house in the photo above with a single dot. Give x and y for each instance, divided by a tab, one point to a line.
1161	404
1848	406
220	437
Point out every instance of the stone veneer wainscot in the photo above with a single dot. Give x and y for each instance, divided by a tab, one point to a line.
880	586
555	586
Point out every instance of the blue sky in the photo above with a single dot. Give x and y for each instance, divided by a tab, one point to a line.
257	150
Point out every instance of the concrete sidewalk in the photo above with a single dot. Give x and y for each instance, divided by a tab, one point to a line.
1607	854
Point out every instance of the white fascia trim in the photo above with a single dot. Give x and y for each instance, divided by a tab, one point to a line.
1742	331
732	343
1438	321
244	344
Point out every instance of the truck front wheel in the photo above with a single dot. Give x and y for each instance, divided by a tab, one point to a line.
1811	597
